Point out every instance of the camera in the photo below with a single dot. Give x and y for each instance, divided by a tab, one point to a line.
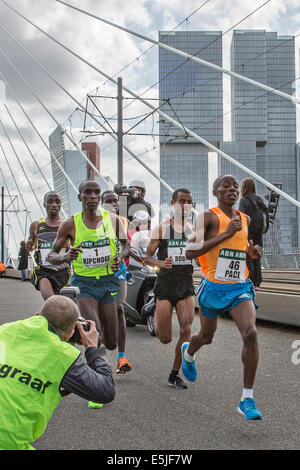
122	190
72	293
75	338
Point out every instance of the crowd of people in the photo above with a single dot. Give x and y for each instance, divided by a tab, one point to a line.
90	251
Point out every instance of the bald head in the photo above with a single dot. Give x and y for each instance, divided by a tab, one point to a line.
62	313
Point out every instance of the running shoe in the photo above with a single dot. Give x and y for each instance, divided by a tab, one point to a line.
247	407
176	382
92	404
189	369
123	366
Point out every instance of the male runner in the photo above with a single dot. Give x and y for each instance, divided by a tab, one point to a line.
46	277
110	202
174	284
93	234
220	242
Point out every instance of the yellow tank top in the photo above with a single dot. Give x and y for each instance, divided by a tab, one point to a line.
226	262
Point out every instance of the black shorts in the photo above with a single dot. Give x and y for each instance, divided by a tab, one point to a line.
58	279
174	291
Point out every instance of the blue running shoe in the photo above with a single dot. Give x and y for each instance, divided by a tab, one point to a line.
189	369
247	407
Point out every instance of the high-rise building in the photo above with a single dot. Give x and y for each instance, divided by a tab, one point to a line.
76	167
266	119
192	94
263	124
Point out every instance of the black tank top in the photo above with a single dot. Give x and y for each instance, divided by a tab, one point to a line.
174	244
45	237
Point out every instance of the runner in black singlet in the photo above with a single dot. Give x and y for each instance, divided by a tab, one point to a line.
46	277
174	284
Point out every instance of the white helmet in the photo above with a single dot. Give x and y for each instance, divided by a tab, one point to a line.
141	217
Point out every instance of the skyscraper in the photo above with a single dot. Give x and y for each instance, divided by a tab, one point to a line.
192	94
263	124
266	119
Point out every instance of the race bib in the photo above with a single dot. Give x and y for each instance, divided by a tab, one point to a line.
45	249
231	266
96	254
176	249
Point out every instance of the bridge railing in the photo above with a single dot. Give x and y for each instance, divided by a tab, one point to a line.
285	261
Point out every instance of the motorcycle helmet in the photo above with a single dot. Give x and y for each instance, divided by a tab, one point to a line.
140	217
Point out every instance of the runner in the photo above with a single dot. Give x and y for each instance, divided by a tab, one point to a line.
174	284
94	234
46	277
220	242
110	202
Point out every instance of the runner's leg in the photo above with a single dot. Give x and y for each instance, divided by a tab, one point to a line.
185	313
46	288
123	365
121	316
163	321
244	317
89	310
204	336
108	316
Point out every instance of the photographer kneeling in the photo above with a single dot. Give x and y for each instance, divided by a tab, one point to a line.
38	367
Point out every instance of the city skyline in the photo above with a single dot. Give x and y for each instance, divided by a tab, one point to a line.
79	79
263	127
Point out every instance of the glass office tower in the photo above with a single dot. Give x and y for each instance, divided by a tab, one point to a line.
192	94
267	119
263	124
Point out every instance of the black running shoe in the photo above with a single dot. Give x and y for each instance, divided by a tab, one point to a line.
177	382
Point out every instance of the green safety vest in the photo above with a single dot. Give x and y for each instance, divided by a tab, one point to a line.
33	362
98	247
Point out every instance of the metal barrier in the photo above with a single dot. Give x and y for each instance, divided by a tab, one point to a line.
284	261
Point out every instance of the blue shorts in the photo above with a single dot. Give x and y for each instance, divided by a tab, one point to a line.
121	274
105	289
218	299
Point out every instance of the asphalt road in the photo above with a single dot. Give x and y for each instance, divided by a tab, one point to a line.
147	414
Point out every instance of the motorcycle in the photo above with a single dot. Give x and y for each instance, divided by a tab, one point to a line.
140	301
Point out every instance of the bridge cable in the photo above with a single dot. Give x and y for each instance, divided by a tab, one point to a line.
173	121
184	54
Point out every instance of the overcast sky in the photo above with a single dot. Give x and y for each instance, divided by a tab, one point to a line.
110	50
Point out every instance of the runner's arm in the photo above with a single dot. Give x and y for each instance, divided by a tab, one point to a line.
152	247
197	245
65	232
122	236
32	236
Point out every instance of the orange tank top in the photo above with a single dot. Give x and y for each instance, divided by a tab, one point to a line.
226	262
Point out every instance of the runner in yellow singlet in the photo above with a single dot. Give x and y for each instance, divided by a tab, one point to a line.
93	234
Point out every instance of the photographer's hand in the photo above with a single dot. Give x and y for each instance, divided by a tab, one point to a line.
88	338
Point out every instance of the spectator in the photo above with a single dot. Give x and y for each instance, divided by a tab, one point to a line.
2	269
23	260
253	206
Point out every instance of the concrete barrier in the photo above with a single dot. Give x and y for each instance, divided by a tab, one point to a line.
276	307
15	273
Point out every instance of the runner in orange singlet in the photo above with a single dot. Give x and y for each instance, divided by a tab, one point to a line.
220	244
